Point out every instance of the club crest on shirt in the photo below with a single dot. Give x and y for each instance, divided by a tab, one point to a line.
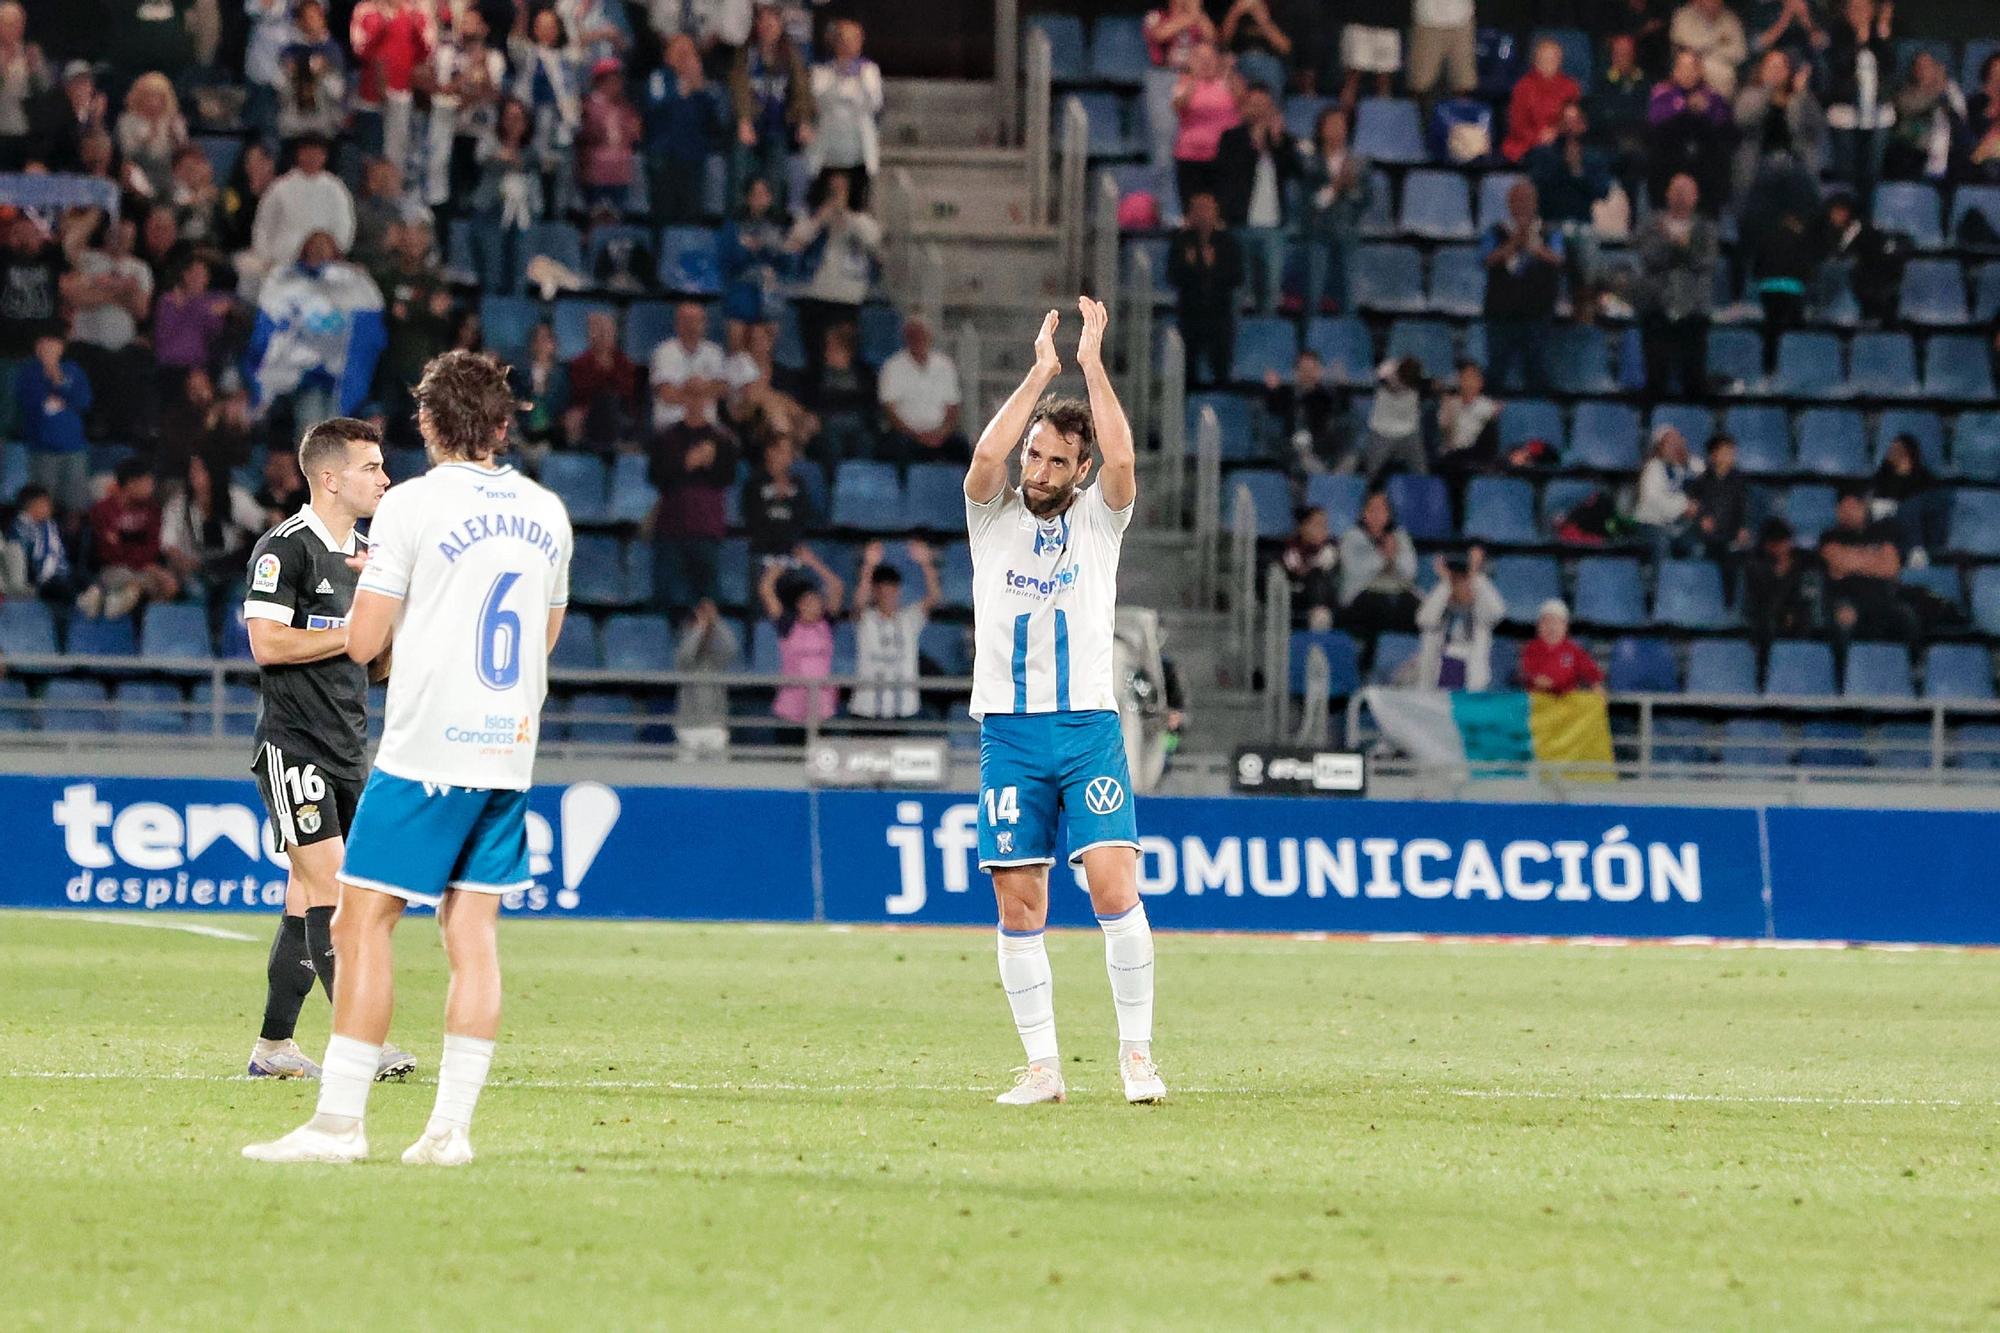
265	577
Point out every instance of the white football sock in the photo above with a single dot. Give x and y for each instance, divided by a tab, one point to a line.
461	1074
346	1074
1031	990
1128	957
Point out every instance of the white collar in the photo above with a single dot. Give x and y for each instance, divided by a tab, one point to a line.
310	517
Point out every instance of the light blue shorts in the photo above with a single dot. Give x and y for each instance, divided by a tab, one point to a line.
1035	768
416	839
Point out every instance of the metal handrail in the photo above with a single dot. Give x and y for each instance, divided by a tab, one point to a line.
1277	649
898	208
1243	580
1137	321
1318	682
971	365
1007	68
1035	124
1104	242
930	285
1173	425
1073	190
1207	504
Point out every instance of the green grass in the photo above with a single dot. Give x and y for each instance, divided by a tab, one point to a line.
698	1127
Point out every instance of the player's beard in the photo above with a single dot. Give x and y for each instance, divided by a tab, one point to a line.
1050	501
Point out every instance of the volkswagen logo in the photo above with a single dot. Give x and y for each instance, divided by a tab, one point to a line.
1103	795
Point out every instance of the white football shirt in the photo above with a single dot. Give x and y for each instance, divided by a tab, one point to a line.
1044	604
479	557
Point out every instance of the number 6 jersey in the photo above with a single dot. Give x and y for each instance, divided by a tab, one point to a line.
479	557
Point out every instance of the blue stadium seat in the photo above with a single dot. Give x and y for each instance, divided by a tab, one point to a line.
1670	734
223	151
1975	446
947	647
1340	494
632	495
553	240
1524	583
1721	666
1501	510
1493	187
1421	505
1958	671
1302	113
1831	443
1608	592
239	705
1579	360
1458	281
1232	414
647	325
1344	348
1437	206
13	470
1391	652
1763	438
1504	663
1827	744
176	630
102	638
1118	50
1696	423
506	321
1986	599
1977	52
1264	343
1885	365
1975	523
1927	428
577	649
1428	340
637	240
27	629
1389	129
1809	366
690	261
578	481
1941	581
151	707
1958	365
1910	207
1755	742
1877	671
1604	436
1379	219
1643	666
638	643
881	333
572	324
1688	595
867	496
1736	357
73	704
1976	746
597	571
1986	293
1562	494
1532	419
955	576
1809	509
1345	676
1068	61
1105	114
1799	667
1934	293
1270	499
1905	745
600	717
1389	277
935	496
461	264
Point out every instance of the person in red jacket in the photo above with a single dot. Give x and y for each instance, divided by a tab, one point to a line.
1534	112
1553	662
391	39
125	541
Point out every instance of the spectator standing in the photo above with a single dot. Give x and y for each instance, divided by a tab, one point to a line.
312	88
1858	62
319	333
1535	108
1796	27
198	421
1206	268
1172	33
421	321
1257	166
1776	604
1678	250
1554	663
1780	232
206	532
1259	48
1396	420
1722	512
36	557
305	200
284	488
1371	46
549	81
1443	47
593	30
125	541
887	631
1982	114
509	199
52	396
380	209
839	250
920	397
194	202
34	279
1571	178
25	77
603	386
687	372
391	40
113	298
1863	565
847	94
469	72
752	252
802	617
1457	619
1664	512
773	101
1524	264
1378	570
684	121
543	383
1615	109
1311	561
777	508
151	131
1338	188
1690	133
1304	414
1862	256
1712	32
709	646
1204	107
64	116
1931	135
188	321
1777	116
693	467
1468	424
256	172
609	139
1907	494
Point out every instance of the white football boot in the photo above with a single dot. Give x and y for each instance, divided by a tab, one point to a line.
1142	1079
308	1143
1034	1085
280	1059
394	1063
452	1147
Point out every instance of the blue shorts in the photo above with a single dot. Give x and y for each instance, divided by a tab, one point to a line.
1034	767
414	840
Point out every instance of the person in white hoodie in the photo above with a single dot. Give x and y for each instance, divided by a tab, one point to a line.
1457	620
848	92
306	199
1664	512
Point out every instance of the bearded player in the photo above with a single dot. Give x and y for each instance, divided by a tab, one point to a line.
1045	585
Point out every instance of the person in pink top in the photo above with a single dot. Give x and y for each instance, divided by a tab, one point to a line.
1173	32
805	637
1535	110
610	138
1205	101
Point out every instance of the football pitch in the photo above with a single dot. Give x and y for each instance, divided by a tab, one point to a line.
760	1127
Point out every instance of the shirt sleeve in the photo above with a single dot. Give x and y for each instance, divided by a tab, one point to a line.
559	586
1117	519
392	547
277	567
981	518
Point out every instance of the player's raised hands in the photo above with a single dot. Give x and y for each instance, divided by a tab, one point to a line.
1046	359
1090	347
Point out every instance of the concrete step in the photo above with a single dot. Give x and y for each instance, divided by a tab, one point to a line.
1220	720
964	191
1019	265
939	113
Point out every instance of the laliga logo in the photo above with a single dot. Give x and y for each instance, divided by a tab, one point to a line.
589	812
